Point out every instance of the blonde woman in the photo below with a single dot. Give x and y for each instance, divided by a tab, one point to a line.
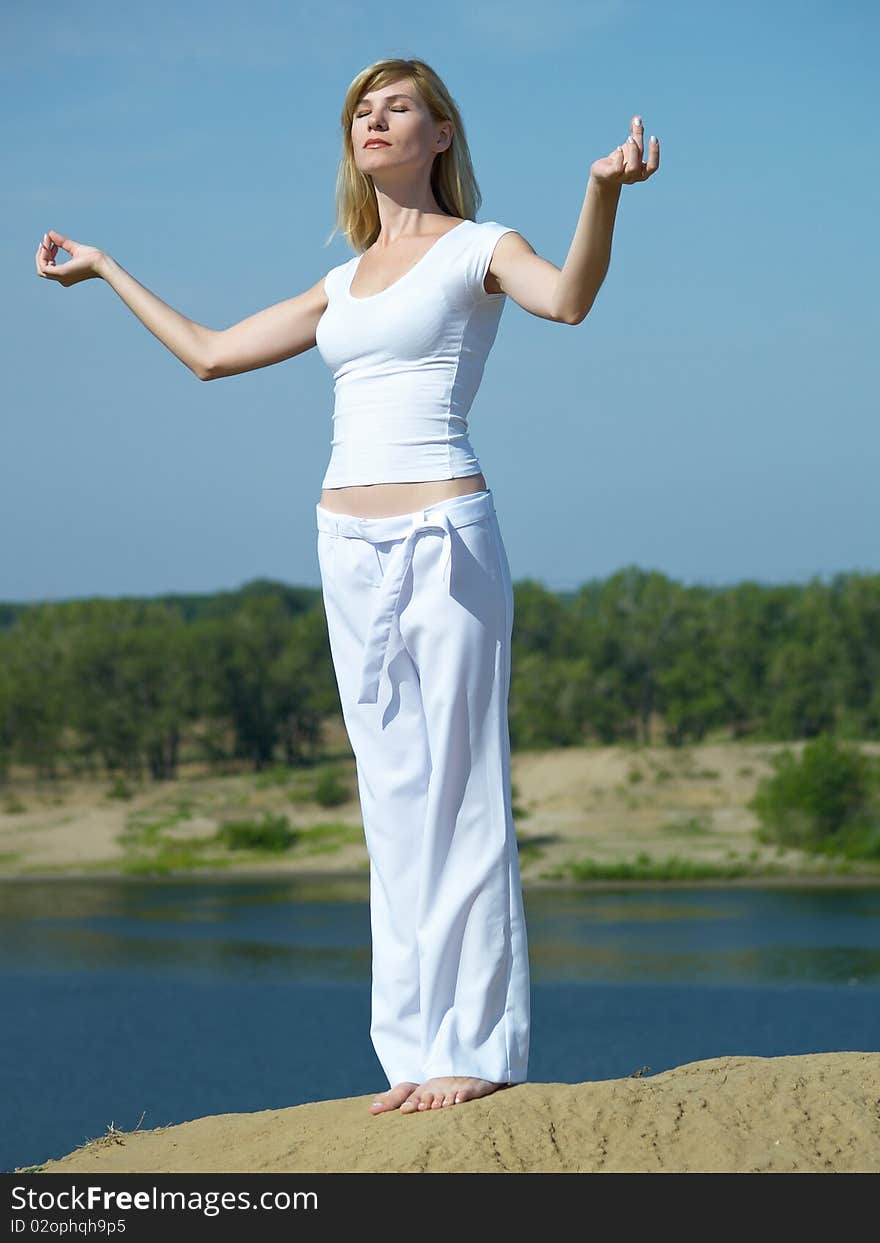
415	578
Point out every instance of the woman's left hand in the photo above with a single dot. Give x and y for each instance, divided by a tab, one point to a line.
624	165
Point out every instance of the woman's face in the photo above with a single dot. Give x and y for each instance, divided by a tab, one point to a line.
410	137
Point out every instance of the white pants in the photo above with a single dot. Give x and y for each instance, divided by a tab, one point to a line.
419	615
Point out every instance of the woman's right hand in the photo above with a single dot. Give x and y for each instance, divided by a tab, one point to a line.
82	266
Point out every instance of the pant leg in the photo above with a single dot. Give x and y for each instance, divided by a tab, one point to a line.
393	766
470	922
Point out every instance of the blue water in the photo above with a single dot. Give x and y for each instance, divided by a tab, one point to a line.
179	999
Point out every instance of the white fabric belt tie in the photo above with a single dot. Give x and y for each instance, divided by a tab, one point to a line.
385	620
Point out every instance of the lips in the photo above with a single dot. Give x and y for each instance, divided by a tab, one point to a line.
377	142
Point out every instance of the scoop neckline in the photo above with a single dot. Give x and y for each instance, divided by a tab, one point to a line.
371	296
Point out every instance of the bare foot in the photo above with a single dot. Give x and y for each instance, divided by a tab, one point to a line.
447	1090
392	1098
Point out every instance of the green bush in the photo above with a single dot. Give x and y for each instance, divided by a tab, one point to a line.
276	775
827	802
330	789
273	833
520	812
120	789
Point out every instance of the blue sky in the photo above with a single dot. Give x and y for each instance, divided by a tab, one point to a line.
715	417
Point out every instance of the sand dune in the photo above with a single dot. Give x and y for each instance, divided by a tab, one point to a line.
605	803
818	1112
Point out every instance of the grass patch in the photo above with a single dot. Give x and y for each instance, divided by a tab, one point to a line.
689	826
529	850
173	858
148	852
327	788
325	839
143	829
277	775
643	867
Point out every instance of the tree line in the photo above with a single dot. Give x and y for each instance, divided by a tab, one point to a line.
137	686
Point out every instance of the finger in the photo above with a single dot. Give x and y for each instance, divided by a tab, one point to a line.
47	251
58	239
637	131
633	156
653	157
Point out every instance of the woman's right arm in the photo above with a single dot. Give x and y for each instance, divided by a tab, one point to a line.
276	333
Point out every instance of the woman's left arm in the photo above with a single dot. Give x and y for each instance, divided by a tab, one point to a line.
567	294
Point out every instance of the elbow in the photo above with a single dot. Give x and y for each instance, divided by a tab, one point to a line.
205	369
207	365
570	315
582	315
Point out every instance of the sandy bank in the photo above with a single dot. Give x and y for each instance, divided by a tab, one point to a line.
817	1112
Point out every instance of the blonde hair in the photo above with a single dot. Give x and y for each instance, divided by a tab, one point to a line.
452	174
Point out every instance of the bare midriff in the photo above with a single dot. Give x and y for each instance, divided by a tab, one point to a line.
387	500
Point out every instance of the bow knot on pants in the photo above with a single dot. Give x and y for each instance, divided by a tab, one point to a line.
388	603
419	614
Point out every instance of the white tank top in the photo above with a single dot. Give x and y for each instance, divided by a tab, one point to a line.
407	362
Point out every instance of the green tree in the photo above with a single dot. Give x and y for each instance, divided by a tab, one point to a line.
690	698
640	613
826	800
37	688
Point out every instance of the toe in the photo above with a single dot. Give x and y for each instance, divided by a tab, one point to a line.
391	1099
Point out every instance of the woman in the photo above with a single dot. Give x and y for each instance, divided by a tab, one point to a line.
415	578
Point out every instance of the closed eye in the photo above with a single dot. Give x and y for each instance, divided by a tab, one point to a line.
366	114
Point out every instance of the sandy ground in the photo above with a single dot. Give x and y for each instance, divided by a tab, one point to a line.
605	804
819	1112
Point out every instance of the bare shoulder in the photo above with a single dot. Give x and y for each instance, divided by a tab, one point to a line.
509	246
315	296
